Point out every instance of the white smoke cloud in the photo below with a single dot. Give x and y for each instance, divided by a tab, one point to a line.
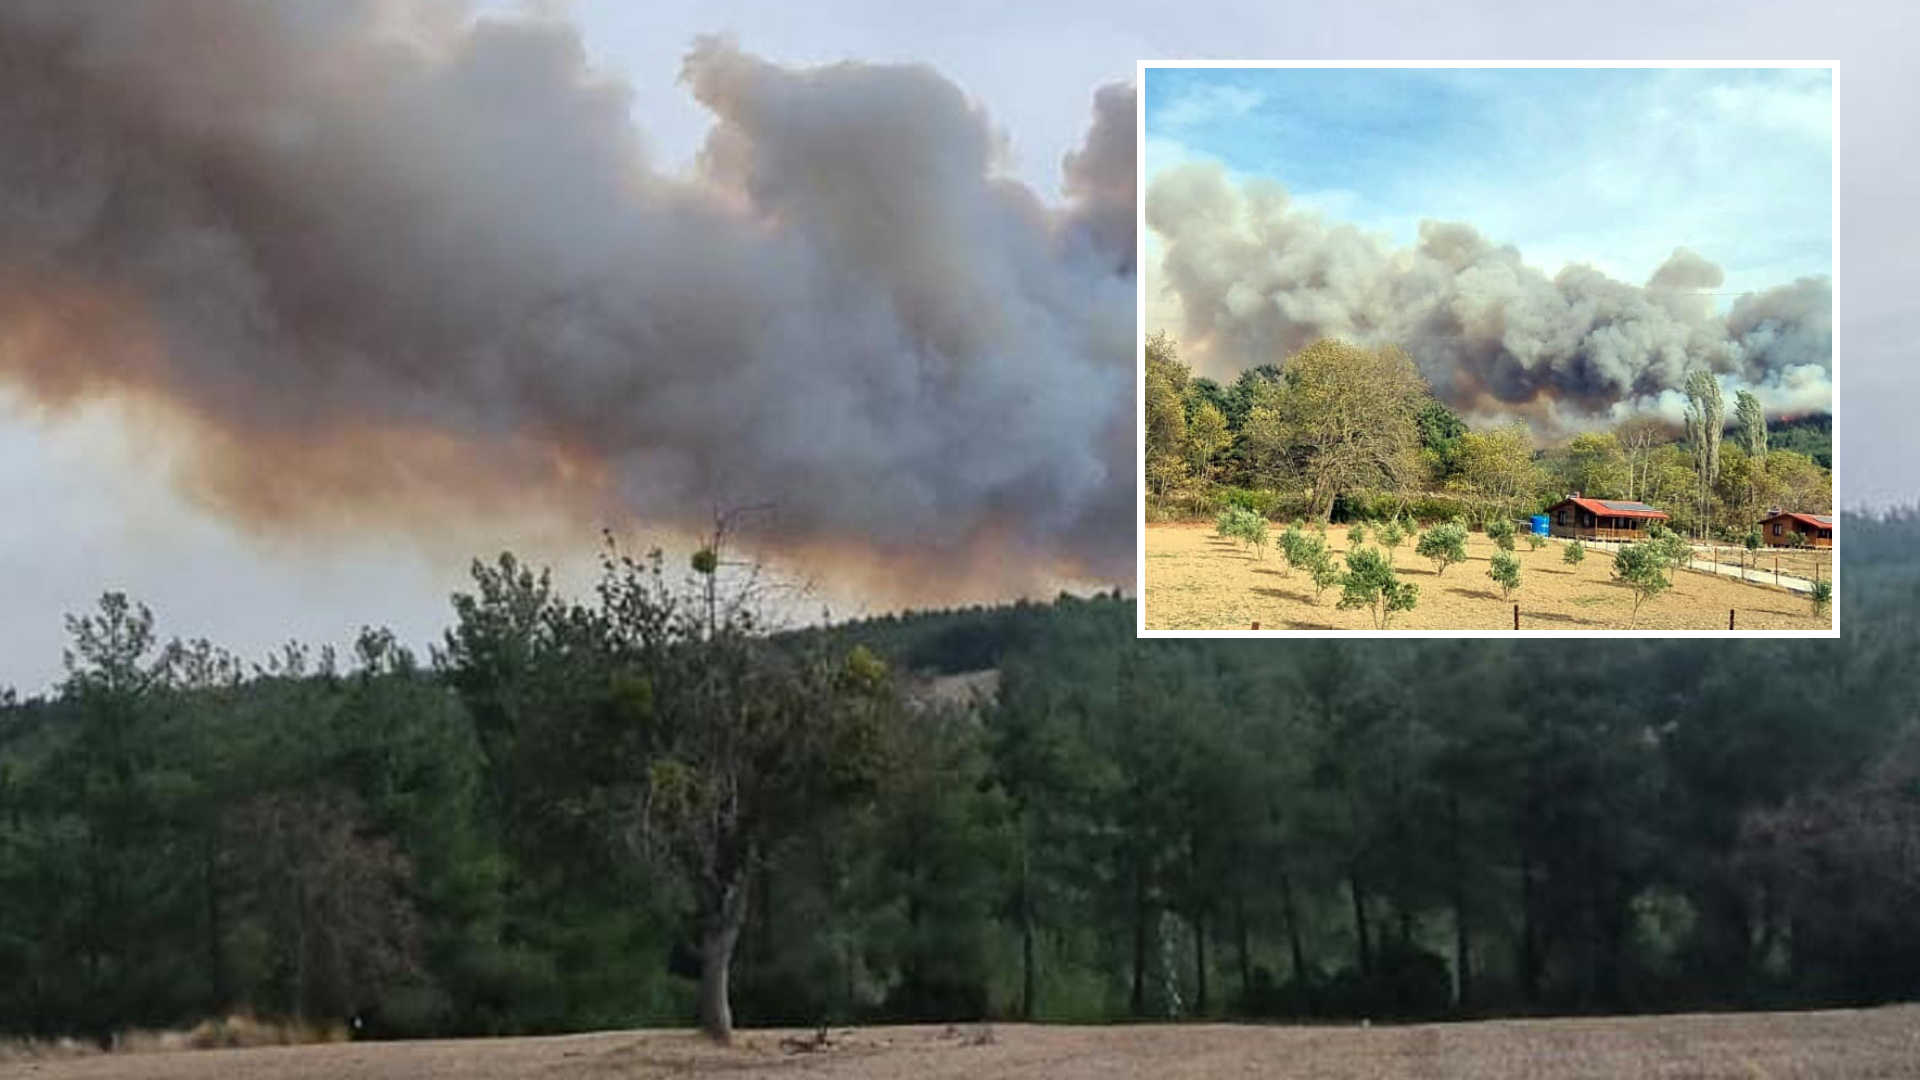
332	234
1257	277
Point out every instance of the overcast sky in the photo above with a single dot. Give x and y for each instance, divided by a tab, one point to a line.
85	507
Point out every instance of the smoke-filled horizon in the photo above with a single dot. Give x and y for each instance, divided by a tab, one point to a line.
1257	278
373	265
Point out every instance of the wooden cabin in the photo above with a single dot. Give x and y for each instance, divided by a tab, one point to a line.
1779	529
1576	518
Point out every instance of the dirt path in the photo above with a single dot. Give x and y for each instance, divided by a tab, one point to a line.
1805	1046
1198	581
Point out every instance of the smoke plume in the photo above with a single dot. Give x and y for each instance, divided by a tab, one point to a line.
374	259
1258	278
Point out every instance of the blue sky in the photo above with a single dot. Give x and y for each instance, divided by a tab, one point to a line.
1611	167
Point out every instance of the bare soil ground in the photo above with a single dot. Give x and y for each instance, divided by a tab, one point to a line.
1198	581
1804	1046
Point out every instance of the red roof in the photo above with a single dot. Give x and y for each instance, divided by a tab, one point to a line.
1620	508
1815	521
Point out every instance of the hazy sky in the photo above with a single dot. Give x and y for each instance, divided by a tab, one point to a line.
84	501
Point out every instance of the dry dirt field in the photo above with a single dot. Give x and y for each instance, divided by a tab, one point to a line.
1198	581
1856	1045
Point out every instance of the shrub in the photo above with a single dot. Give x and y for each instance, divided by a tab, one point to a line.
1674	549
1263	503
1293	545
1356	535
1641	567
1576	552
1243	525
1505	573
1391	535
1822	596
1370	507
1325	572
1431	508
1308	551
1535	541
1500	531
1371	583
1445	544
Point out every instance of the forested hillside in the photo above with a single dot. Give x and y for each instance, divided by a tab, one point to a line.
519	832
1339	432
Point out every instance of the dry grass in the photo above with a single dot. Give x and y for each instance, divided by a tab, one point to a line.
1803	1046
225	1033
1198	581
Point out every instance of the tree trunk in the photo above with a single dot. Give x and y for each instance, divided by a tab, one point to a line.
1530	958
1296	945
1199	965
217	992
1140	945
717	939
1028	976
1363	948
1245	945
1029	981
1462	940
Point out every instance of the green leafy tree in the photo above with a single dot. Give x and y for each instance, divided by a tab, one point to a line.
729	744
1167	453
1391	535
1498	467
1248	527
1575	553
1500	530
1750	421
1535	541
1441	430
1206	437
1444	544
1356	535
1297	545
1505	572
1324	571
1257	536
1370	583
1673	549
1642	567
1822	596
1706	419
1341	419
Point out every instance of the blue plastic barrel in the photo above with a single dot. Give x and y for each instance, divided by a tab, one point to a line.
1540	524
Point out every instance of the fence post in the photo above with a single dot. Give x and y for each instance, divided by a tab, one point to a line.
1256	626
1729	618
1516	616
1776	569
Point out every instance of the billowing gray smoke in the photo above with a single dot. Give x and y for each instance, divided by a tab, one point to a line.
1257	278
365	254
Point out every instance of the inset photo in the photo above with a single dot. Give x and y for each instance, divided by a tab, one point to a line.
1519	351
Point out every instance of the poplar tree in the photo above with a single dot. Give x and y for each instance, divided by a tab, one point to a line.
1706	418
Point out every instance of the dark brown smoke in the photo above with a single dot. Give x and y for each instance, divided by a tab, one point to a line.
1258	278
373	259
